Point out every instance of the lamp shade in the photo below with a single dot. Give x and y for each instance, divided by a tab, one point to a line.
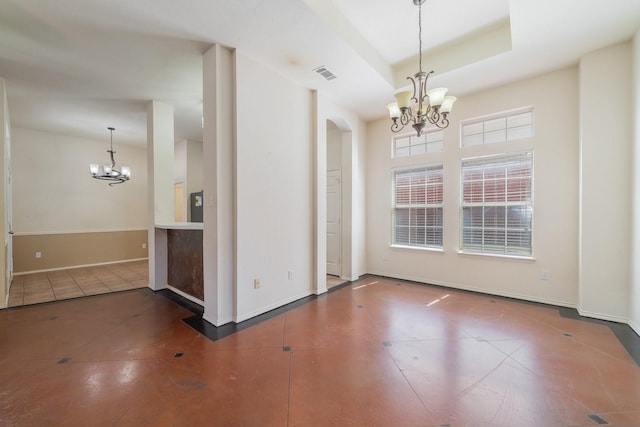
94	168
404	99
394	110
447	104
126	171
436	96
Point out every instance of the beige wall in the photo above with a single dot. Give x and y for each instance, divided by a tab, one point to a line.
554	97
76	249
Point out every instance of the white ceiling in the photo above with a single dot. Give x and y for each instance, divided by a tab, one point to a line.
78	66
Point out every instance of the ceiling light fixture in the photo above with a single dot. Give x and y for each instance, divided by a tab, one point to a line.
430	106
109	172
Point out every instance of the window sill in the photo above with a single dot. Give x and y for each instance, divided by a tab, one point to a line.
416	248
502	256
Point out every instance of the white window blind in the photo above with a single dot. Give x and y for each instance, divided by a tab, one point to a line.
417	206
497	204
411	145
502	127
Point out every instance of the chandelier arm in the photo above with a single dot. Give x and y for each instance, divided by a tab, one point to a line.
434	117
396	127
406	117
423	86
413	82
443	124
113	160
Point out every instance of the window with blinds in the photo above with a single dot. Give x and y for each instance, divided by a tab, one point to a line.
497	204
410	145
502	127
417	207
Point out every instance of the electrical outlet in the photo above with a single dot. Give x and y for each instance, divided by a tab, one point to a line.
256	283
544	275
290	275
38	255
144	246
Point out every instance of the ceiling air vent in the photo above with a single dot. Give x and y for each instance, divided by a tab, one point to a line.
322	70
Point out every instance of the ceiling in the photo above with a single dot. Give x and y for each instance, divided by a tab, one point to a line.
76	67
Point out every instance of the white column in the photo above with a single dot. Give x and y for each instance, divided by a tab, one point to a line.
218	186
605	176
4	194
160	166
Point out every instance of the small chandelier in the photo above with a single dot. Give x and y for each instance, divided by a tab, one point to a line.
109	172
430	106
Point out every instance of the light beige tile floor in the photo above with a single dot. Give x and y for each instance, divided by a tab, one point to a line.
59	285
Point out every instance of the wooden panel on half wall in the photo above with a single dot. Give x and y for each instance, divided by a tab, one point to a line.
184	258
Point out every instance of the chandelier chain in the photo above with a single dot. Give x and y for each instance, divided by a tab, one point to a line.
420	36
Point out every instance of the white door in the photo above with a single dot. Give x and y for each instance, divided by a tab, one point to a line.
9	260
334	228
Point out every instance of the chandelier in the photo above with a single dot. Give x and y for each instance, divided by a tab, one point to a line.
109	172
429	106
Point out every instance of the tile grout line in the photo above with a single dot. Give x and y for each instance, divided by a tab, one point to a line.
289	390
408	382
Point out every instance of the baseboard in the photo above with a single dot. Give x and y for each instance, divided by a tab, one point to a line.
483	291
601	316
217	322
79	266
186	295
635	326
273	306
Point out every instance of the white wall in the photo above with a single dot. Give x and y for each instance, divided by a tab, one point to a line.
54	192
635	259
334	147
555	144
274	176
605	182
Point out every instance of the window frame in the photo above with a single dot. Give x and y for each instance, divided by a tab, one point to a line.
487	123
413	208
498	161
431	132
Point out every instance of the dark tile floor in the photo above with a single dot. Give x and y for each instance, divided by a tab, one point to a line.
34	288
377	352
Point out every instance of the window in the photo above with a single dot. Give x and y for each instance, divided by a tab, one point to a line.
502	127
497	204
411	145
417	207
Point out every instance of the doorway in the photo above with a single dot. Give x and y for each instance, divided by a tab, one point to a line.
334	223
337	229
179	201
